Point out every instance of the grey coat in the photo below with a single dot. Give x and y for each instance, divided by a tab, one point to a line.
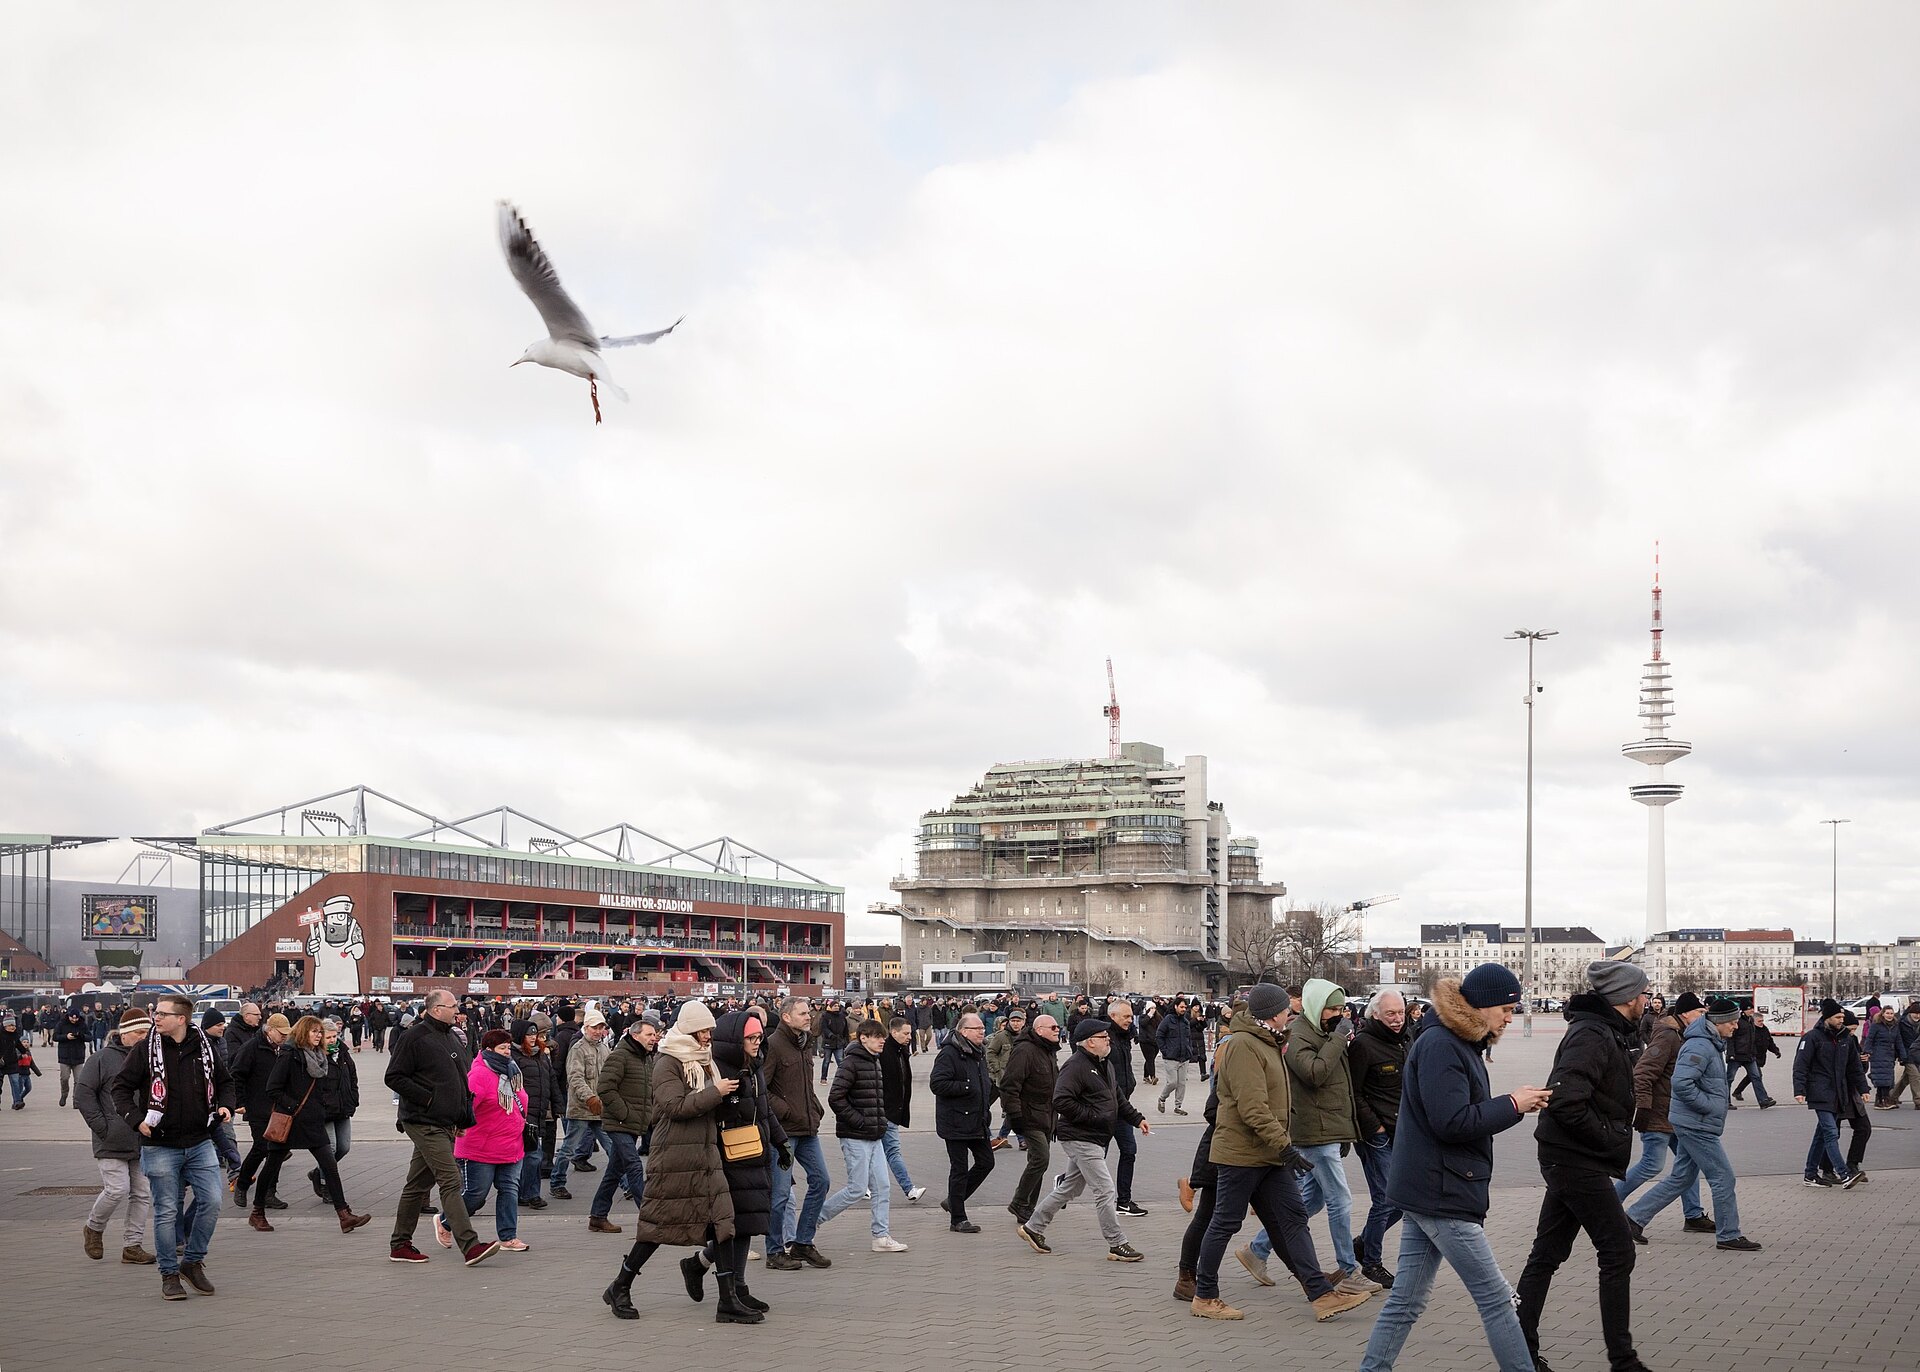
113	1137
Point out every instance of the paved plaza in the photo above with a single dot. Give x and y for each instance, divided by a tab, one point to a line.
1835	1288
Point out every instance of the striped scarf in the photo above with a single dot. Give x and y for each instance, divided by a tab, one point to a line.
157	1070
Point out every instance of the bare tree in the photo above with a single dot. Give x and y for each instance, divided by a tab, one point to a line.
1316	941
1106	979
1256	949
1429	978
1688	974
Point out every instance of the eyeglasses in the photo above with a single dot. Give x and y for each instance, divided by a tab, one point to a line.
169	1014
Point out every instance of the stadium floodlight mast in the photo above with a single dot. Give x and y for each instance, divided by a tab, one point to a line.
1833	944
1532	636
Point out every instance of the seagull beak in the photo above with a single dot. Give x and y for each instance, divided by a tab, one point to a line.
513	364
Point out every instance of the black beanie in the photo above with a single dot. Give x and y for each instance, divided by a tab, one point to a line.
1687	1001
213	1019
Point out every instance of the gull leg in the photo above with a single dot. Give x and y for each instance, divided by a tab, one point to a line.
593	389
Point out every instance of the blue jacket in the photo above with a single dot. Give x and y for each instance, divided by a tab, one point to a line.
1883	1048
1176	1038
1443	1145
1700	1081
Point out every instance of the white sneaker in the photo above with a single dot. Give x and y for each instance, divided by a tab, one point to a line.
887	1243
915	1194
753	1255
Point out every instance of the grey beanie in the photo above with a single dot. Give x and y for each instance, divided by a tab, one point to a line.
1266	1000
1617	982
1722	1011
653	1017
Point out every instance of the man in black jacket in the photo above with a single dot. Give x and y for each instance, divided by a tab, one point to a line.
1825	1071
963	1102
1026	1100
173	1090
858	1099
251	1067
1088	1111
71	1039
1119	1015
428	1071
896	1076
1375	1062
1752	1041
1585	1136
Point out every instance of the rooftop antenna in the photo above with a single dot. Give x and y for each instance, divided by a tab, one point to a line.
1112	711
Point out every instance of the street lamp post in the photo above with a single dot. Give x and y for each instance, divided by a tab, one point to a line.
1833	944
1532	636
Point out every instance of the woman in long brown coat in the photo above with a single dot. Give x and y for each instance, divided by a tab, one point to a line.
686	1202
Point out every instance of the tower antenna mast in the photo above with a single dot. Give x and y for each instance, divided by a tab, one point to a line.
1112	711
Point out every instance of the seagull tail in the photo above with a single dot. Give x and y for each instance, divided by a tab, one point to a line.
612	387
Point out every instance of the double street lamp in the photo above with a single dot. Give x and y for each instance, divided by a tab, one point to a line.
1532	636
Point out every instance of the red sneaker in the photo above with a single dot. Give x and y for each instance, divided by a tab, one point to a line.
480	1252
406	1252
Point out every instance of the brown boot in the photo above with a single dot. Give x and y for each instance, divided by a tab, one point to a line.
1331	1304
1183	1288
133	1253
1215	1309
258	1219
90	1240
350	1221
599	1226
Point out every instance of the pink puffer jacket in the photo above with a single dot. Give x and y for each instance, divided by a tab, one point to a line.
495	1136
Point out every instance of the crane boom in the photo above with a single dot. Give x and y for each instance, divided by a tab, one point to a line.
1112	711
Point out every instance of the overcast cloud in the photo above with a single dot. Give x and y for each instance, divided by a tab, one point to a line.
1291	356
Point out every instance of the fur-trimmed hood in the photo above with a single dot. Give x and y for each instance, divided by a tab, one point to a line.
1455	1013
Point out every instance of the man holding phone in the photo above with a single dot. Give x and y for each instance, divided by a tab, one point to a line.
1585	1138
1442	1169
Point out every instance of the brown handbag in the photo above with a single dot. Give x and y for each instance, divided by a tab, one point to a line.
741	1143
280	1123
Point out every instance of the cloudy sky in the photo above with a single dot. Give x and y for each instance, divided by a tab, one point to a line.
1289	356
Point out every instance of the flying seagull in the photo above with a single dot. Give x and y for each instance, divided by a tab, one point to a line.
571	344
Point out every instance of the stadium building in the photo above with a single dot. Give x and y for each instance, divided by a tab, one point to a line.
312	900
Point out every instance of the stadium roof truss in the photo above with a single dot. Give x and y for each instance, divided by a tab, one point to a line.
499	830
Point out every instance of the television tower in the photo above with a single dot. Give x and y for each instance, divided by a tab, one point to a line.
1656	750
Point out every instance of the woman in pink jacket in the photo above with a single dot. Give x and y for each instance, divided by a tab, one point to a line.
491	1151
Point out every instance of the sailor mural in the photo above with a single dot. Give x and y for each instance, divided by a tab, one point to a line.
336	947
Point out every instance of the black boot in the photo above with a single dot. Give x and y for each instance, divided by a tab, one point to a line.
748	1299
730	1310
693	1271
620	1295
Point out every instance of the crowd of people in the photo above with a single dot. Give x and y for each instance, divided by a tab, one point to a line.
708	1121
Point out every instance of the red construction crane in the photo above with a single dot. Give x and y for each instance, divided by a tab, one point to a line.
1112	711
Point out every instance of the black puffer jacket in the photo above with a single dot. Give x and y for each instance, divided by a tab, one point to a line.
543	1090
963	1094
750	1180
625	1087
1121	1058
896	1070
1027	1082
1086	1107
339	1090
1589	1122
858	1097
1376	1061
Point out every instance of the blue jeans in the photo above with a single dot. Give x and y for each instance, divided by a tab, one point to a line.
1126	1138
579	1137
866	1172
21	1083
1694	1152
229	1150
623	1165
1324	1189
1376	1156
1825	1148
1273	1196
896	1160
781	1229
530	1175
1424	1241
171	1172
831	1058
500	1177
1760	1092
1654	1151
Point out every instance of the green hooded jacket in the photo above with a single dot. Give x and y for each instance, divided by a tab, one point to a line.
1323	1092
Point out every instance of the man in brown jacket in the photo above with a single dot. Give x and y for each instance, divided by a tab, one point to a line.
1652	1093
1256	1160
789	1055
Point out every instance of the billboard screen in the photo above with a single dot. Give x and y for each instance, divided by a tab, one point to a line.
117	917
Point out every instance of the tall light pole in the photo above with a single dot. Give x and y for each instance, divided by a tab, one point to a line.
1532	636
1833	944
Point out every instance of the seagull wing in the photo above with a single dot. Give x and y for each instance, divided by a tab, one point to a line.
633	338
530	267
